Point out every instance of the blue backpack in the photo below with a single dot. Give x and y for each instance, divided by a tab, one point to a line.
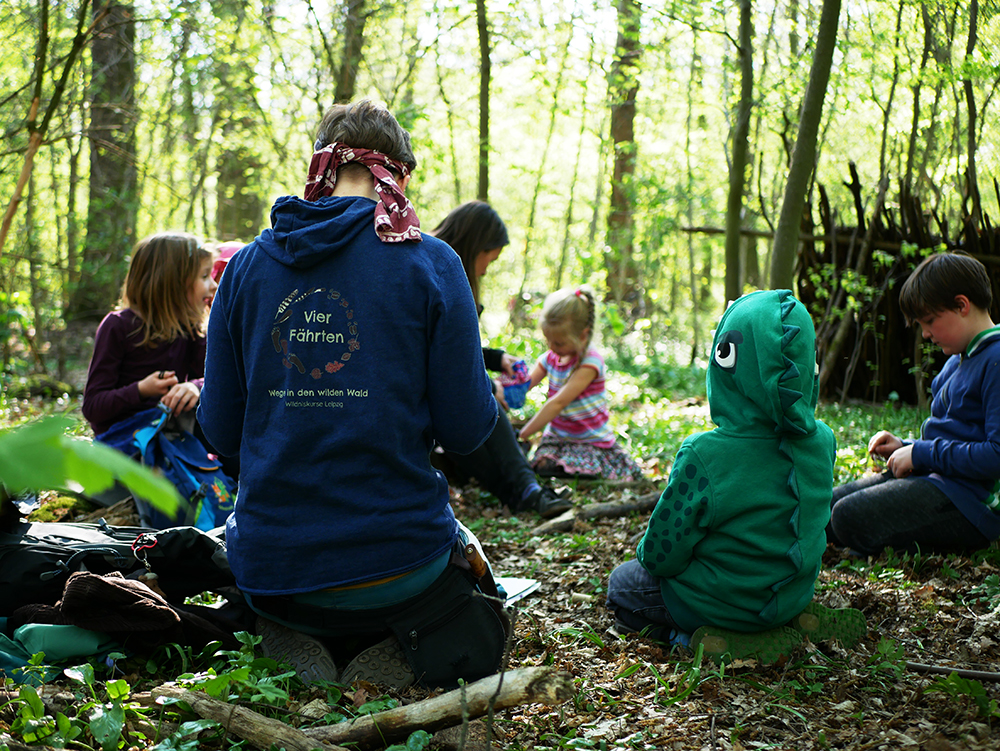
156	440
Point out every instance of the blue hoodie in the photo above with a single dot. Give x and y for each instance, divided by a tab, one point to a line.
959	445
334	362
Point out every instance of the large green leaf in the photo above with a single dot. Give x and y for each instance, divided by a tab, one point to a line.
40	455
106	724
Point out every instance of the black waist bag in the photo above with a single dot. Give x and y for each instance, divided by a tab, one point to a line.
452	631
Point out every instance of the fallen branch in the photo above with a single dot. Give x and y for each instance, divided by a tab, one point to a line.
260	731
600	482
8	741
612	510
978	675
540	685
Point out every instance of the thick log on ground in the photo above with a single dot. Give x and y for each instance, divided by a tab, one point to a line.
260	731
8	741
568	520
539	685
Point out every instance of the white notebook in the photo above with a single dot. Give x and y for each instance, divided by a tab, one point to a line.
515	588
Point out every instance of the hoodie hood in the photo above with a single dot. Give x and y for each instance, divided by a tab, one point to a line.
303	233
763	377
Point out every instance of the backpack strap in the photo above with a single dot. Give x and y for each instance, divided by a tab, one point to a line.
144	436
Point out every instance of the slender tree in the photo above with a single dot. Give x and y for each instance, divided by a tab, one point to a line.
483	191
887	109
355	17
689	205
450	119
572	188
972	179
786	236
541	171
738	167
623	87
911	150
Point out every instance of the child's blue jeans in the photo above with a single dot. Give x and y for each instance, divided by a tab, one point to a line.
634	596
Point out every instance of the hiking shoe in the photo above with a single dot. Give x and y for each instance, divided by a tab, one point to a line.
723	645
821	623
384	664
549	503
307	655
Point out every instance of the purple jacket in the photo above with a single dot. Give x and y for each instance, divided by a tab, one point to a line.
119	363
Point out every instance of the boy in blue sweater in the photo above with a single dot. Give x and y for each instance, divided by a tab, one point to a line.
939	492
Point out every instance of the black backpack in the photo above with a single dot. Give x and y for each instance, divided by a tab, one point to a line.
37	558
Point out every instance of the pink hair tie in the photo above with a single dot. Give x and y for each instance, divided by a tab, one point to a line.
578	293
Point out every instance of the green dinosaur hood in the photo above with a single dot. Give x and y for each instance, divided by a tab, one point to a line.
763	376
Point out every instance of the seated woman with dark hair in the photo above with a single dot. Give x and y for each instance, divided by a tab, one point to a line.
478	234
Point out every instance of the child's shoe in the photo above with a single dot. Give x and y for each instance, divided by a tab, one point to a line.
383	663
821	623
309	657
548	503
723	645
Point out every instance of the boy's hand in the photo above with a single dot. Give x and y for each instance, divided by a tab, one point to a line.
157	384
182	397
901	461
883	444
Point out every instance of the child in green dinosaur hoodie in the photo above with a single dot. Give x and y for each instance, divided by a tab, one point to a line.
734	545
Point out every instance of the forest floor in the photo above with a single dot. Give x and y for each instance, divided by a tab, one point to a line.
634	693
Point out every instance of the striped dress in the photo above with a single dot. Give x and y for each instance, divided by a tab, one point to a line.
585	419
579	442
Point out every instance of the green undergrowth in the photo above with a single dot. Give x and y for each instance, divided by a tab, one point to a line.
655	405
105	714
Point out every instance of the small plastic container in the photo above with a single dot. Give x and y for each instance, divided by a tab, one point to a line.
515	388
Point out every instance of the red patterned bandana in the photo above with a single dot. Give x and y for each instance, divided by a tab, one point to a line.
395	219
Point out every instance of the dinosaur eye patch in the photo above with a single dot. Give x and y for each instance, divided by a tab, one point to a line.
725	350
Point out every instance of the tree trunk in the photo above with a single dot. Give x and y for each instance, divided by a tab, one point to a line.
540	173
354	42
793	28
571	197
111	212
738	167
887	110
786	236
239	210
450	113
483	191
911	149
34	273
970	134
72	220
623	86
749	263
689	206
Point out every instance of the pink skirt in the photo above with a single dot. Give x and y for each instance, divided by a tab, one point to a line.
556	457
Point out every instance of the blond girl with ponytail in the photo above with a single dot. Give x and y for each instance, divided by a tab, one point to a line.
577	440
